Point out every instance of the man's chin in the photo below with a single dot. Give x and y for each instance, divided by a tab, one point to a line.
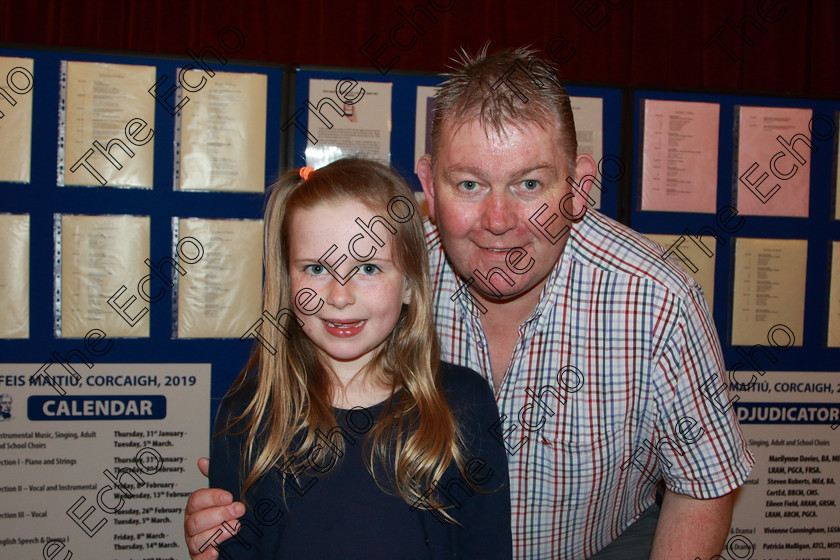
502	294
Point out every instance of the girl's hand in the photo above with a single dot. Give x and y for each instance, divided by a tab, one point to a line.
207	509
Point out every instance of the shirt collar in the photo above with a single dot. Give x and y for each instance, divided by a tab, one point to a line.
558	280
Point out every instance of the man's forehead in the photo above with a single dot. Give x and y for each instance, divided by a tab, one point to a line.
500	129
455	128
460	139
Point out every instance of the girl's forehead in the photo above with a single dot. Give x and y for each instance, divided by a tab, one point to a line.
337	206
349	224
337	215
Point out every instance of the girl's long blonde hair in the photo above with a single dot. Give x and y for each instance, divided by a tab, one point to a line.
416	438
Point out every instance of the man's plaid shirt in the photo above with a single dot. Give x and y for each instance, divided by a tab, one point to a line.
616	383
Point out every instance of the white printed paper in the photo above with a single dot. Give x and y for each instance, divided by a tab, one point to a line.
14	276
348	119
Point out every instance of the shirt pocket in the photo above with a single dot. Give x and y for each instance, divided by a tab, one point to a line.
586	420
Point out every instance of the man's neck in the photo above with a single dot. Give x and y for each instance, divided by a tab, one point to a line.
512	312
501	325
501	329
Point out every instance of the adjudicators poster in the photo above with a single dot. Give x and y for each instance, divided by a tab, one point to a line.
103	471
788	506
774	167
16	118
348	118
680	156
106	125
222	134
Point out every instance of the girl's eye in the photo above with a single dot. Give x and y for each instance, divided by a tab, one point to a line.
468	185
314	269
530	184
369	269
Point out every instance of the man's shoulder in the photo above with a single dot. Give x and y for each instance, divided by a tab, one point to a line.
604	243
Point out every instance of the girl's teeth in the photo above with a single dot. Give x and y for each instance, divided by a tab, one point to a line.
345	325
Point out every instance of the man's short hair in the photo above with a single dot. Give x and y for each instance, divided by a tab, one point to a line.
507	88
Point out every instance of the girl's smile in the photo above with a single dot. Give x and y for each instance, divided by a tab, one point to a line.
344	329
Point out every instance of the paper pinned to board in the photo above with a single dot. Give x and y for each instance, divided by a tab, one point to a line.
769	289
680	156
221	295
101	257
14	276
774	161
222	134
16	118
348	118
106	125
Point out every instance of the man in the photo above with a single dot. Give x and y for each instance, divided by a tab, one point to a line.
605	360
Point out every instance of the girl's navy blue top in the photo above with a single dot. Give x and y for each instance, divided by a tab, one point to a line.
342	513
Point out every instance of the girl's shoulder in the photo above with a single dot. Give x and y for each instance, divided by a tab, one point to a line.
463	385
237	399
241	392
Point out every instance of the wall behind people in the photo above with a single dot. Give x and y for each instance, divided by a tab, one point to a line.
772	46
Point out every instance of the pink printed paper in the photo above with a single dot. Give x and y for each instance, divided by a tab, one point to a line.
773	172
680	155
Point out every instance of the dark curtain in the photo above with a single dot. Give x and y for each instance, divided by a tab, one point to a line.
773	46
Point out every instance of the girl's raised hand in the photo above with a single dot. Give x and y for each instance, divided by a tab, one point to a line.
207	509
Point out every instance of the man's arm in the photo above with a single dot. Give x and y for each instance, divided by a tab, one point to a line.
206	509
689	528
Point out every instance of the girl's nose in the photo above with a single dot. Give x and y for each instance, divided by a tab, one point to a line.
340	295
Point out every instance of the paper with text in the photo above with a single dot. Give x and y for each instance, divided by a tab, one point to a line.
680	156
769	288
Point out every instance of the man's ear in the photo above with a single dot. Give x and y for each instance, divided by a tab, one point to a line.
585	165
424	173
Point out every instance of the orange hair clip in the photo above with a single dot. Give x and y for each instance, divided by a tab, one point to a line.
305	172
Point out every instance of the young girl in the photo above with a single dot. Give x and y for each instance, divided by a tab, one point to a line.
345	435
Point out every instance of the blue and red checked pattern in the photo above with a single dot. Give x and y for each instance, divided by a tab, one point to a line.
636	330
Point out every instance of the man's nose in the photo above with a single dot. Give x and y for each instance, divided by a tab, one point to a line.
340	295
499	213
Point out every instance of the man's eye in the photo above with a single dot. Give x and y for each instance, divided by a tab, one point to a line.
314	269
369	269
530	184
468	185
